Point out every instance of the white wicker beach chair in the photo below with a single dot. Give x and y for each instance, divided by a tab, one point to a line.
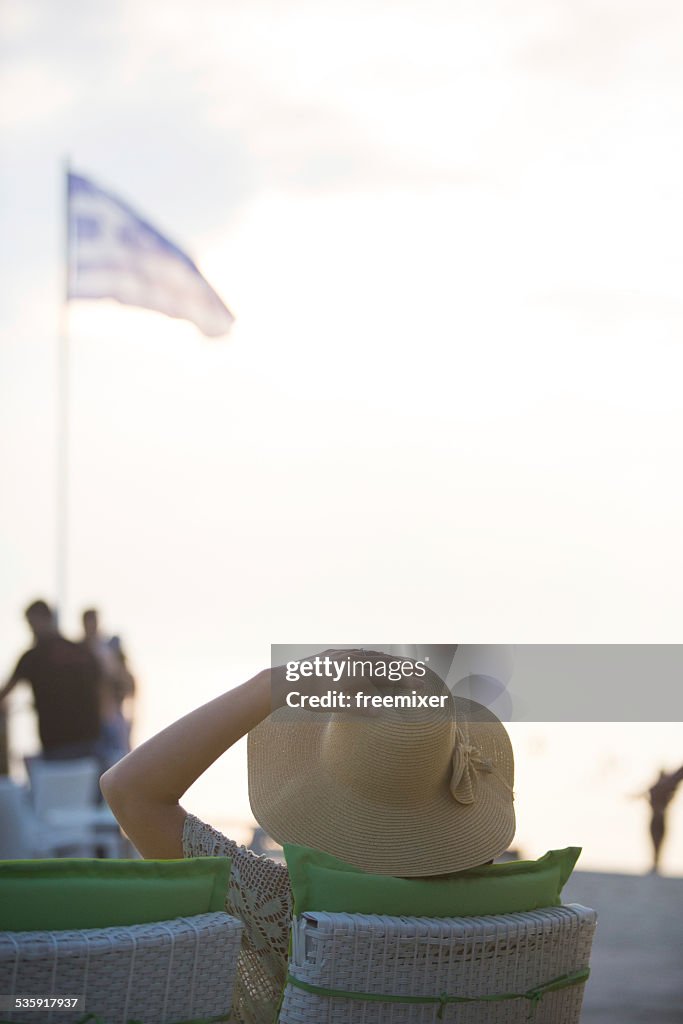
507	969
161	973
70	785
63	797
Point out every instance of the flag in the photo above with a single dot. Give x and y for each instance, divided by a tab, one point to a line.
116	254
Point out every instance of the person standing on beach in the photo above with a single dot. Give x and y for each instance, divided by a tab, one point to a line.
660	796
116	686
64	678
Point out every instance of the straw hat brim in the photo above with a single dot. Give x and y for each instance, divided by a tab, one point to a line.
296	799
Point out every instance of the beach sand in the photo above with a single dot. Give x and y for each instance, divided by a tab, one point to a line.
637	963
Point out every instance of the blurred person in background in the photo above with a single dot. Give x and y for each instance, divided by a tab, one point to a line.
64	677
117	686
660	796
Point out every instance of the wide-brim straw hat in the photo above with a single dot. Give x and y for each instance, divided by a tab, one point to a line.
399	792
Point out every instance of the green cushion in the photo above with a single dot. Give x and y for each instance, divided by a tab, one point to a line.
321	882
51	895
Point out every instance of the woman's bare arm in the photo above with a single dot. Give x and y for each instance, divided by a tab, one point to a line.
144	789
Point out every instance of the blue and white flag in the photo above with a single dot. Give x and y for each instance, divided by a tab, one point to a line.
115	254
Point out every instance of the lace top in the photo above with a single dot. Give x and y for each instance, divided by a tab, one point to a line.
259	895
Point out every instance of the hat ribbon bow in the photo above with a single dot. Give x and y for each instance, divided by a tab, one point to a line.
467	762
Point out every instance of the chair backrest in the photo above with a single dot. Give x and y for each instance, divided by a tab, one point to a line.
161	973
471	970
62	785
16	822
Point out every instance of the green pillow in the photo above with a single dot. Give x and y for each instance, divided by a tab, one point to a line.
52	895
321	882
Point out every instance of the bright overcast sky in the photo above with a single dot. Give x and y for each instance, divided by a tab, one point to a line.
450	406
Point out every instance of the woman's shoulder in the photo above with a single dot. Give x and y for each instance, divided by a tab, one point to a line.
203	840
259	894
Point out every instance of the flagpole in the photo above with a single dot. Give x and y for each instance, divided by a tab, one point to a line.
63	414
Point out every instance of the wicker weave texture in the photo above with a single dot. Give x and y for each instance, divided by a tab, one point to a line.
472	956
156	973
